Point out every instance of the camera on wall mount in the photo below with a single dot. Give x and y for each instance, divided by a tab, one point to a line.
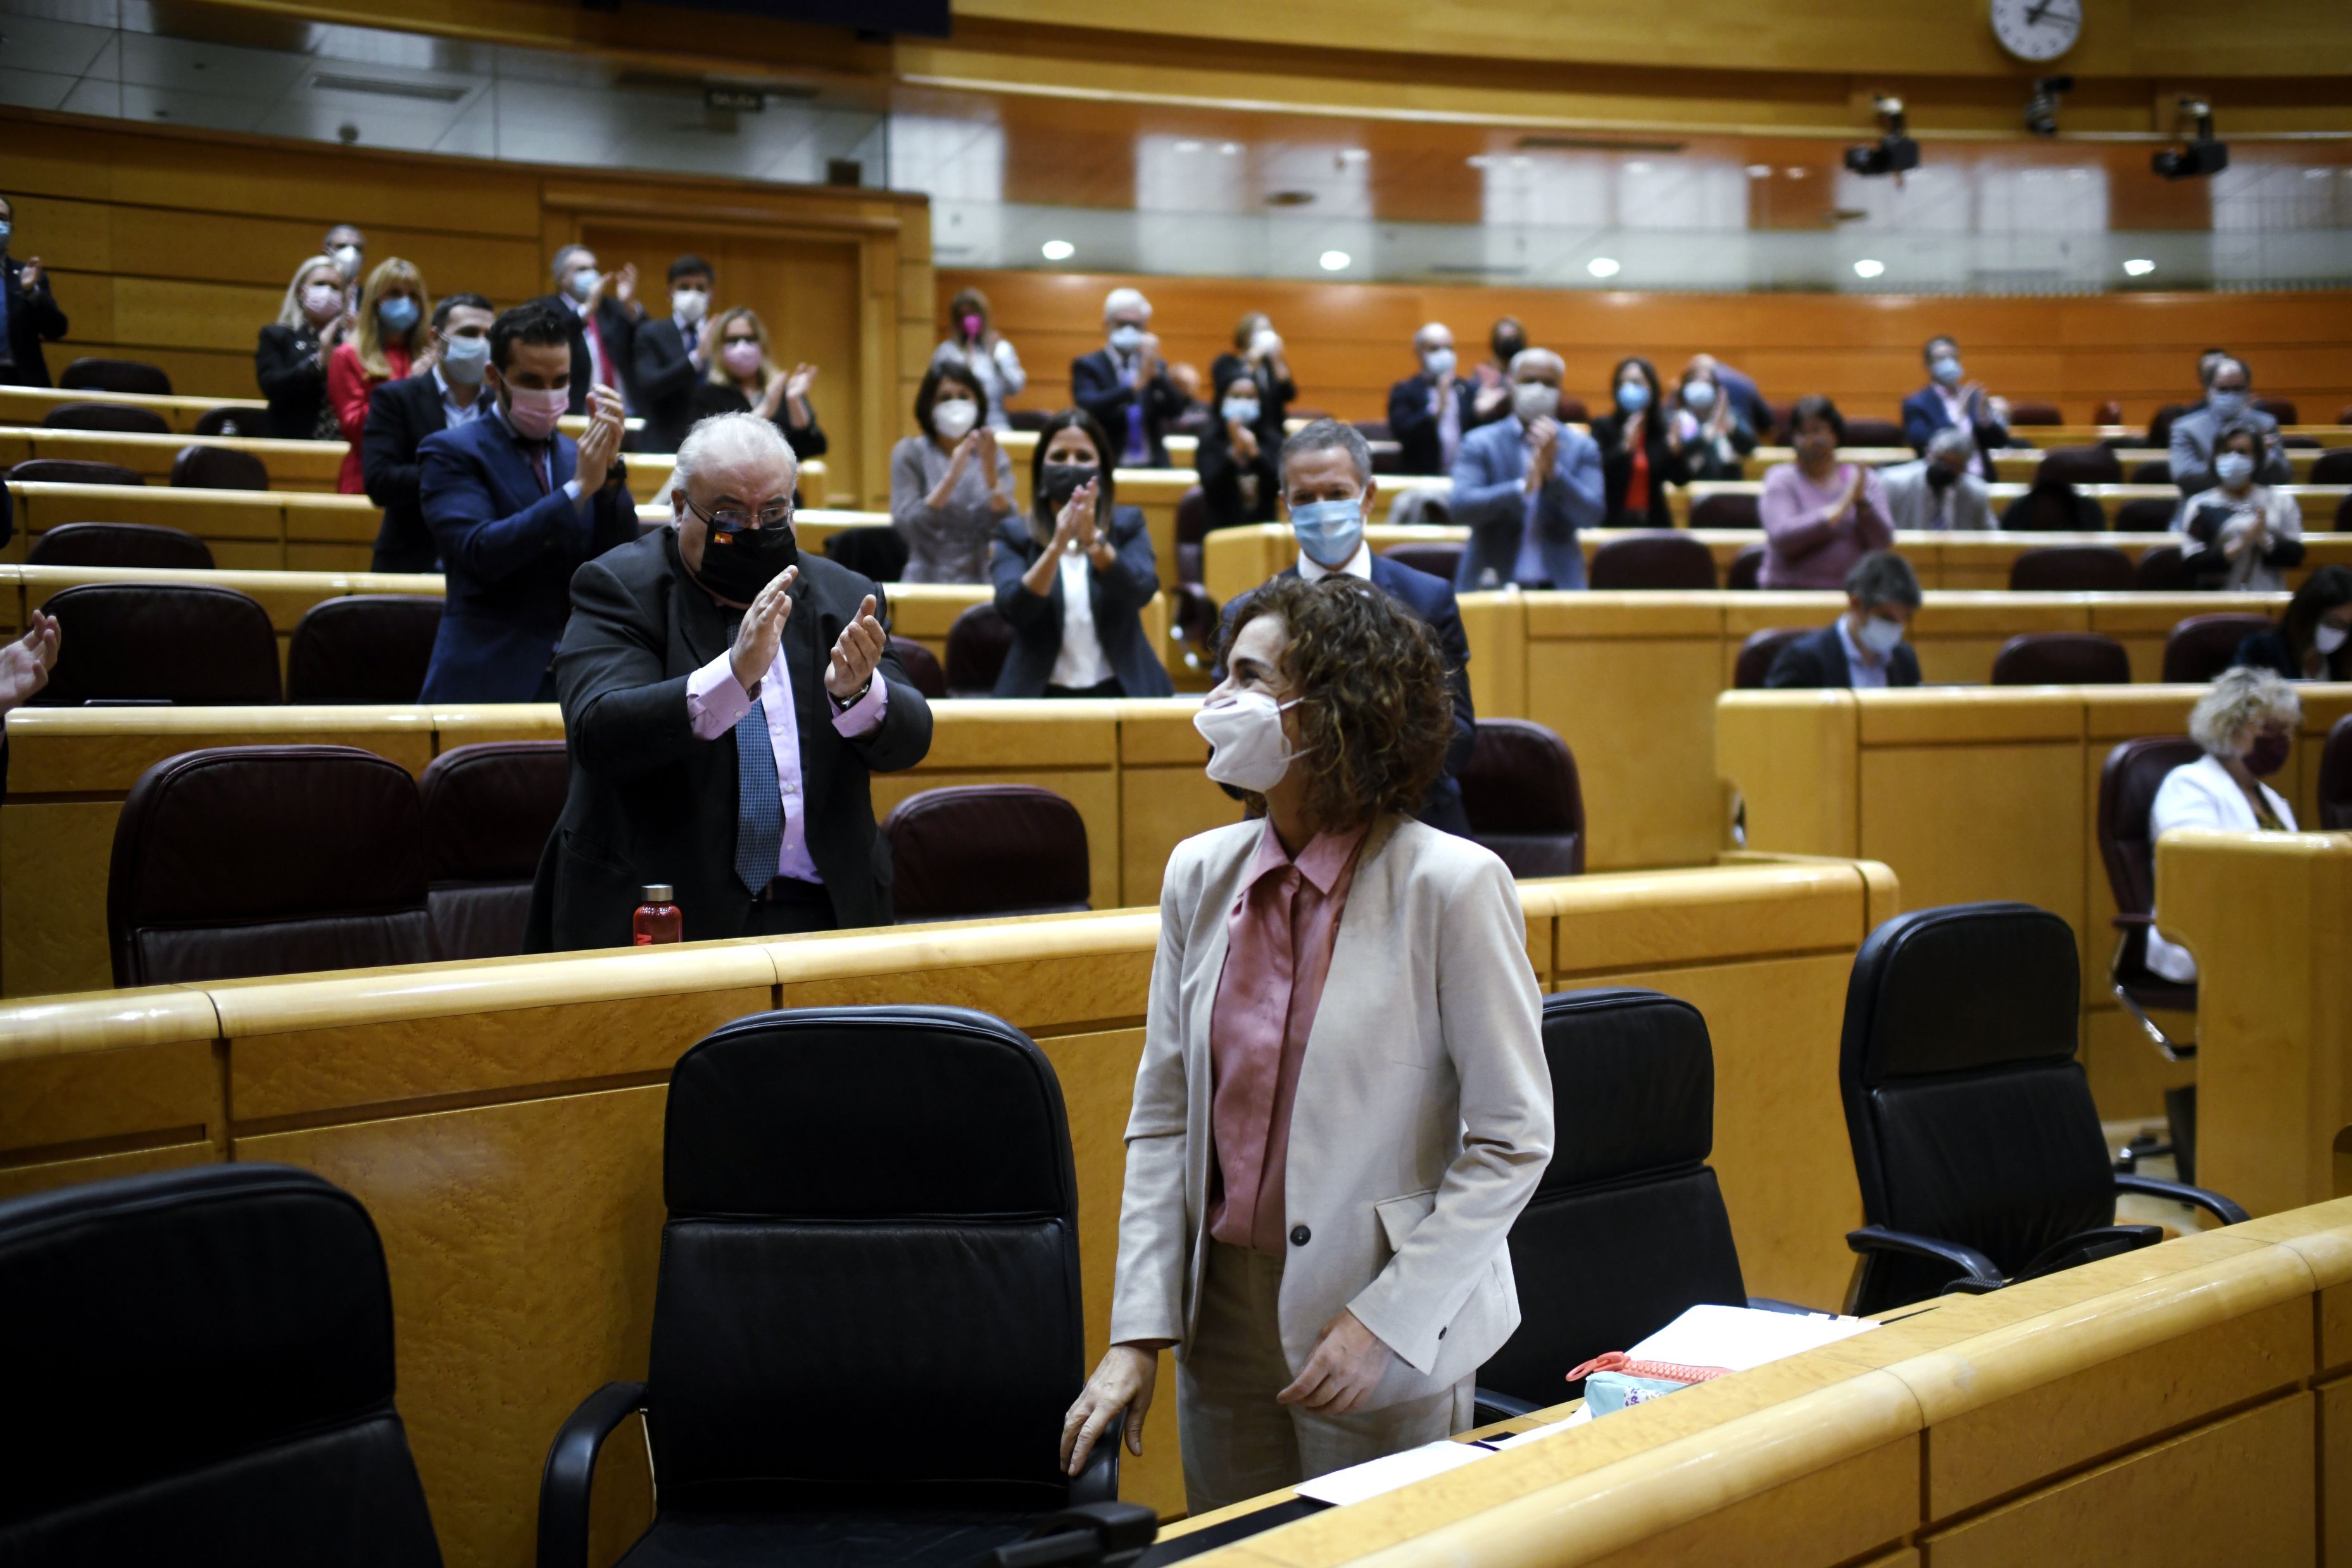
2042	108
1894	151
2203	156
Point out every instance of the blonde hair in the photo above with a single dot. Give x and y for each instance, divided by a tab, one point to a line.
717	374
389	275
2241	697
292	314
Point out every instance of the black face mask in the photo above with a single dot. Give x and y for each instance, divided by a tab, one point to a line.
1940	477
1060	481
1508	348
737	566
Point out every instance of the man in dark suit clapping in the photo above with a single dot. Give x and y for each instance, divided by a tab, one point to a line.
514	508
672	355
444	395
726	699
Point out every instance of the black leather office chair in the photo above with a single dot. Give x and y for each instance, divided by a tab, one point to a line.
206	1375
1975	1140
858	1354
1627	1230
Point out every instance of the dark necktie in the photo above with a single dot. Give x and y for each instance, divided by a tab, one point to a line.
759	804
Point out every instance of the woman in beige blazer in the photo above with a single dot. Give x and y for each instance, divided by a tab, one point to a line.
1320	1187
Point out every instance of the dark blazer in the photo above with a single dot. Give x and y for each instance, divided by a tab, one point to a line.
649	802
1414	427
1818	659
2261	650
666	378
1923	416
285	365
1096	386
1118	596
507	553
1667	466
1220	474
401	415
710	398
619	331
1274	397
1431	599
31	318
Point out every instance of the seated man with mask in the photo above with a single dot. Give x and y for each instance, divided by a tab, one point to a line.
1864	647
726	700
1328	492
401	413
1525	484
514	505
1937	493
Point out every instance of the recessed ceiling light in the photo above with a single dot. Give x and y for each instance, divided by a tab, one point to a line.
1230	148
1759	170
1637	166
1354	155
1794	173
1188	145
2139	266
1059	250
1866	267
1521	160
1336	260
1480	160
1601	267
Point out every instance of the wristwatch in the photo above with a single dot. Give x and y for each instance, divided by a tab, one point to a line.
843	705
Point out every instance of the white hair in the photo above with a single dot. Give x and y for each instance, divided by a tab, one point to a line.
1532	357
2241	698
563	254
1953	440
725	437
1119	299
1429	327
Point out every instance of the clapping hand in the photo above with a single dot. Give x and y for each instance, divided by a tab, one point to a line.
1074	528
625	287
762	630
30	275
803	378
1543	448
1243	440
25	662
856	654
602	444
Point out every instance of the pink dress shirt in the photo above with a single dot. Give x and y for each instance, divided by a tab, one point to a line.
1278	941
1805	548
716	701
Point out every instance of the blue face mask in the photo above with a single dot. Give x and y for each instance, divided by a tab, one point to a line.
1946	369
1329	532
398	313
1700	396
1633	396
6	229
2226	403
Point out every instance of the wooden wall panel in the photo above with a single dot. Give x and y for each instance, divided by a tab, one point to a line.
1349	342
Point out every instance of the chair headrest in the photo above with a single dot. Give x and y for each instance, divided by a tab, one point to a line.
1521	778
490	808
867	1112
1633	1078
984	849
178	1320
1962	987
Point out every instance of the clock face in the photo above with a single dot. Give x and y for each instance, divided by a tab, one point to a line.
2037	29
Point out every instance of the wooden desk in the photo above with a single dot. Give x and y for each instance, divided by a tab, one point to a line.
2269	917
502	1120
28	405
1982	793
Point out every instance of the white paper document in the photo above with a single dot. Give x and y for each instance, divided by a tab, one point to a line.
1581	1418
1742	1337
1357	1482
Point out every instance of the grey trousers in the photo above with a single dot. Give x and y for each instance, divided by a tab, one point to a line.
1238	1443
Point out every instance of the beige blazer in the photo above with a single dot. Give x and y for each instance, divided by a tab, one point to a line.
1423	1120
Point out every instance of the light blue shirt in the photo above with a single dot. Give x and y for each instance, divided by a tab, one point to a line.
455	414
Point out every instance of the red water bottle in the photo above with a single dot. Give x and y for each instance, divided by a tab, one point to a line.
657	919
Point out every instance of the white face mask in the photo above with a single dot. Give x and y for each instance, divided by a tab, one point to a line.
689	304
1249	750
1880	635
1241	410
955	418
2233	468
1438	361
1532	401
2327	638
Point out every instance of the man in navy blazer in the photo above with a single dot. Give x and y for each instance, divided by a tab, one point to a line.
1947	399
1124	385
1525	484
1430	413
515	507
1864	648
29	312
1327	491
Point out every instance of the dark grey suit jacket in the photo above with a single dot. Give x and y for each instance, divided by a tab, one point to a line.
651	803
1818	660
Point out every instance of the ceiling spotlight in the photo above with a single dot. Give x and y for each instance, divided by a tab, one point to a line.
1355	155
1894	152
1759	170
1603	266
1059	250
1480	160
1230	148
1336	260
2139	266
1794	173
1637	166
1868	268
2042	108
2203	156
1188	146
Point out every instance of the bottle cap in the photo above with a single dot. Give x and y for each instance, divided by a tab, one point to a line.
659	892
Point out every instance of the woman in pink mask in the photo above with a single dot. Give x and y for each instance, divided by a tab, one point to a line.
975	346
744	379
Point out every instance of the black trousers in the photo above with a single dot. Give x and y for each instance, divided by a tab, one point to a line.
1109	688
788	908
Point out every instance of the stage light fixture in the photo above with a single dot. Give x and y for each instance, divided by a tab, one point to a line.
2042	108
2203	156
1893	152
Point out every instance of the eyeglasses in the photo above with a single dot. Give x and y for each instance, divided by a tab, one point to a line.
775	515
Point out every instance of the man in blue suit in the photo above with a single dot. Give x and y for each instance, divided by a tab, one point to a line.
515	507
1948	399
1327	491
1525	484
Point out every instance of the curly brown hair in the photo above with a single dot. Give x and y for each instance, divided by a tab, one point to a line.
1374	713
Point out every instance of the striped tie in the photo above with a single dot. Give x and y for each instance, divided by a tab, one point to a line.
759	805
